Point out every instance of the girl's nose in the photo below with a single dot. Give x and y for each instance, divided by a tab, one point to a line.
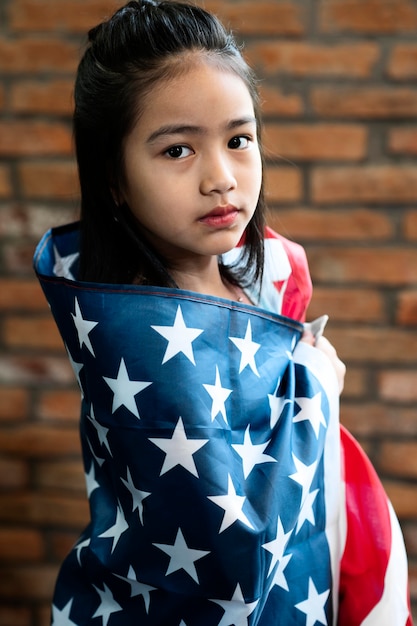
217	177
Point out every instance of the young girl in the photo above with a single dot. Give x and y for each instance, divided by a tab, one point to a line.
222	490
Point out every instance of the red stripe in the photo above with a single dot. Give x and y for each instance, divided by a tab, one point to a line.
368	541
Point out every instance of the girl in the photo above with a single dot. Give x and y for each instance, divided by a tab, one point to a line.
222	490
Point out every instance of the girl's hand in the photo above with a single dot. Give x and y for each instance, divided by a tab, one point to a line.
325	346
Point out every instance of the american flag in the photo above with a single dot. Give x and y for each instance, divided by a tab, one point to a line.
213	465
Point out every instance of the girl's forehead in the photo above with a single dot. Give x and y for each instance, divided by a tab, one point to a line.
202	92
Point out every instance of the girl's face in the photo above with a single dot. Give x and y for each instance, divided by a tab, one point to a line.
193	171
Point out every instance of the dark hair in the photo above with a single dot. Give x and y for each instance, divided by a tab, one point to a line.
127	54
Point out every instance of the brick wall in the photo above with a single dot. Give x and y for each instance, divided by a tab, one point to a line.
340	102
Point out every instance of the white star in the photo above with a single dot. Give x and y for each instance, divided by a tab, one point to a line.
182	557
306	511
137	588
279	577
303	476
311	412
125	390
61	617
77	367
219	396
63	263
313	607
248	348
118	528
179	450
101	430
90	480
179	338
276	405
236	611
79	546
98	459
108	604
232	505
278	545
84	327
137	495
252	453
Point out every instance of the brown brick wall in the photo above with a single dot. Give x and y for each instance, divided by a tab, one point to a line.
339	84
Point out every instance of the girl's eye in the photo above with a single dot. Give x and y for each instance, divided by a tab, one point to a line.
239	143
178	152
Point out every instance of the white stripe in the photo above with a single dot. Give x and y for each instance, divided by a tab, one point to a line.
392	609
334	488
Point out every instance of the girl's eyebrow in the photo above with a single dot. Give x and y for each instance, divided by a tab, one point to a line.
178	129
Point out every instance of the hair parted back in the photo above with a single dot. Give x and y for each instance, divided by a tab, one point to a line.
143	43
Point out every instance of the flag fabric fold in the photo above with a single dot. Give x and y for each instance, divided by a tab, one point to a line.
214	469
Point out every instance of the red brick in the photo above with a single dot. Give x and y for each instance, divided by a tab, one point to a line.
275	102
14	404
26	220
353	60
17	257
64	476
370	419
46	16
347	305
5	182
283	184
261	17
49	179
44	510
398	386
39	441
38	55
61	543
53	97
356	383
14	474
367	183
410	225
403	497
398	459
43	614
367	16
78	15
21	545
305	142
34	138
403	141
372	345
59	405
34	332
406	313
365	102
21	295
37	370
15	616
410	536
28	582
402	64
308	224
364	265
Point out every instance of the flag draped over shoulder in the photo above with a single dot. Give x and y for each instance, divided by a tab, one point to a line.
211	446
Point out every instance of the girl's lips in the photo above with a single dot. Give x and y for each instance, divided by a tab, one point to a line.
220	216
